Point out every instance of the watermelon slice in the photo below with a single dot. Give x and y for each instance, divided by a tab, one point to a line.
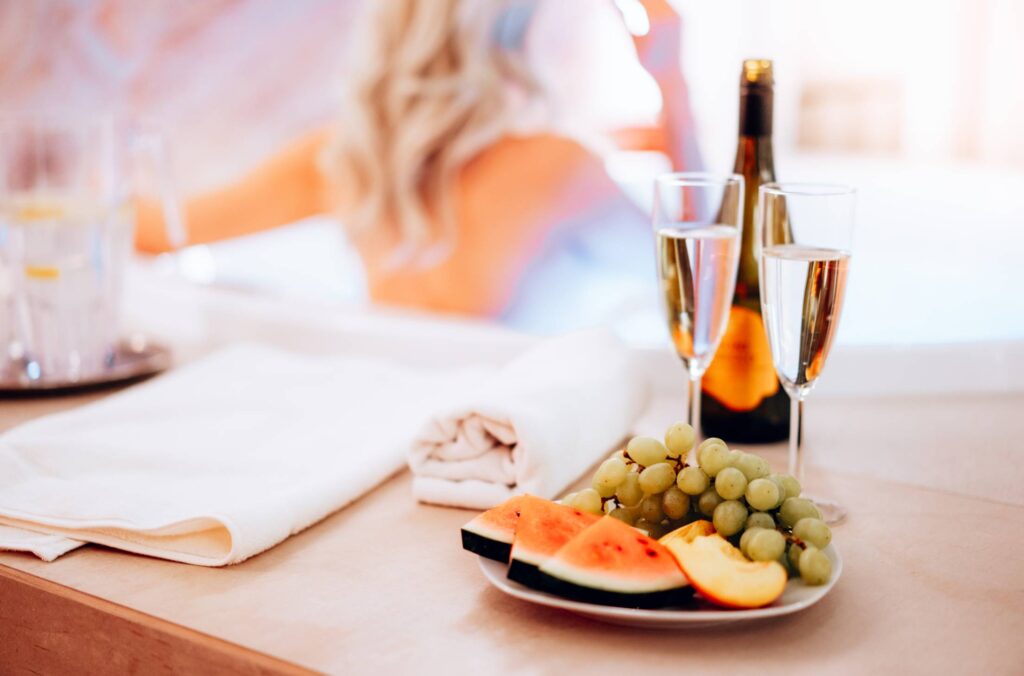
612	563
543	528
490	534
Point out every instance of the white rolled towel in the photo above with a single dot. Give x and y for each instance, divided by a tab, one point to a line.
533	427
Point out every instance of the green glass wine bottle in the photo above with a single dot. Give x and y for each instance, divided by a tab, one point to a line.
741	398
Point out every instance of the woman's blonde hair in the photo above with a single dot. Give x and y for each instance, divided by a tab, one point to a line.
431	91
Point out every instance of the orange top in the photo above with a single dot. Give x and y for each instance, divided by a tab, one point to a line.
507	199
507	202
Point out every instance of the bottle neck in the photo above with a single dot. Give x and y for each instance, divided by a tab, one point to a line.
754	152
754	157
755	162
756	104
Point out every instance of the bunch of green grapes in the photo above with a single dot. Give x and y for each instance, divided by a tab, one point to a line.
650	485
639	483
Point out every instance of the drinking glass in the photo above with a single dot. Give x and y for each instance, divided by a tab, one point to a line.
805	235
67	187
698	219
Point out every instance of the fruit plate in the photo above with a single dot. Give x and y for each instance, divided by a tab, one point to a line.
798	596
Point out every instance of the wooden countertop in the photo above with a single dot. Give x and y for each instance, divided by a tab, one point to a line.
933	580
933	575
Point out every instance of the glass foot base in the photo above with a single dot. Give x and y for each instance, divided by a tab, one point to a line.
831	511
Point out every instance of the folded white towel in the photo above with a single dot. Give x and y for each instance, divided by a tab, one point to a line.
534	426
216	461
45	546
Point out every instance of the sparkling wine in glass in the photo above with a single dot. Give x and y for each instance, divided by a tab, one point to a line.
805	237
698	223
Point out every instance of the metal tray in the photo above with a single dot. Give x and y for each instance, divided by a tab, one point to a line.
134	359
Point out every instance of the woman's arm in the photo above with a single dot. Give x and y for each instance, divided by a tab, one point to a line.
285	188
658	52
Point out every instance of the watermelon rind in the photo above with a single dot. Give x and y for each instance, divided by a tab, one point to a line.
560	578
666	598
526	559
484	538
524	568
595	579
486	542
611	563
524	573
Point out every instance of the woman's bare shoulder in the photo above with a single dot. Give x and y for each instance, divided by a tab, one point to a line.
535	168
532	151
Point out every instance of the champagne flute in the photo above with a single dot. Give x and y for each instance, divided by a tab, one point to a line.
805	235
698	219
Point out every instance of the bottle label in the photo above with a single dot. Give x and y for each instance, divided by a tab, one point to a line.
742	374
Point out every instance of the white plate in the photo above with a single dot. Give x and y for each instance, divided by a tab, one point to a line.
797	597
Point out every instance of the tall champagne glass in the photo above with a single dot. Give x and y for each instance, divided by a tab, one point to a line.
805	234
698	220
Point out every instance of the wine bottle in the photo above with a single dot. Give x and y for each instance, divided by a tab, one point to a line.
741	399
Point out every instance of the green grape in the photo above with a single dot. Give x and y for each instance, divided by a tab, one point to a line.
813	531
587	500
708	443
567	499
692	480
679	440
609	475
657	478
794	509
712	456
752	466
815	567
646	450
708	501
745	539
729	517
628	493
766	545
790	487
760	520
793	556
650	508
675	503
653	530
762	494
624	515
730	484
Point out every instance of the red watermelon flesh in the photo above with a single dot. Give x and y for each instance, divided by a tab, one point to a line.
490	534
612	563
543	528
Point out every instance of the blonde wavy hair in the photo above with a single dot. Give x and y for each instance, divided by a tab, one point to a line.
431	91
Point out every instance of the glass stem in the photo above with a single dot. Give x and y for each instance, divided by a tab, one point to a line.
694	392
796	445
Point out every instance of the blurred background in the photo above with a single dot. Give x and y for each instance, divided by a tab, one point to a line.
917	103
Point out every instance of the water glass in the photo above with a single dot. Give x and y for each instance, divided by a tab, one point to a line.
66	228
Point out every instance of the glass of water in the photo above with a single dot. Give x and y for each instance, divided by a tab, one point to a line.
66	230
697	223
806	238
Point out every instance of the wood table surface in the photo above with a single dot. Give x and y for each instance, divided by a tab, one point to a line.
933	577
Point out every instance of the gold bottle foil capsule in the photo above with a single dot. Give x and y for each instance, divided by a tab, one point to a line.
757	72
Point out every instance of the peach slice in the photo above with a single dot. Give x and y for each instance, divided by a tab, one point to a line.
689	532
723	575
